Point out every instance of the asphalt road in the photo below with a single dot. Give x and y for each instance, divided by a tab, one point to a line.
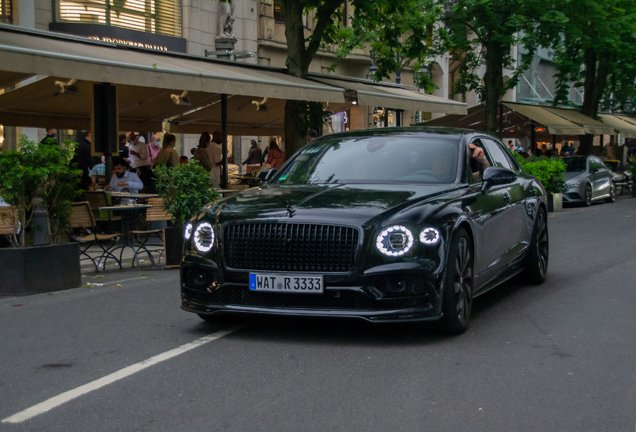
555	357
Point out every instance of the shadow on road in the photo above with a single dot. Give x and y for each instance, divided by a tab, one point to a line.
346	331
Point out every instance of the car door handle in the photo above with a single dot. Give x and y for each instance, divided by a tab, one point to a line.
507	197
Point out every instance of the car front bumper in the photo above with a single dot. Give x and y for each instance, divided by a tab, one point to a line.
409	292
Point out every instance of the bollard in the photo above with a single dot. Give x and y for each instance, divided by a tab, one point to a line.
40	227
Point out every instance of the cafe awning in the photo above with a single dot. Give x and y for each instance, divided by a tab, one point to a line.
35	52
390	96
592	127
621	124
244	118
556	124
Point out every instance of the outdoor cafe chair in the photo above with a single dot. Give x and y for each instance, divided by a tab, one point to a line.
152	240
8	220
102	217
83	230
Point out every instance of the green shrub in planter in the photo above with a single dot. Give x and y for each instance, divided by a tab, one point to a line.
549	171
40	175
185	189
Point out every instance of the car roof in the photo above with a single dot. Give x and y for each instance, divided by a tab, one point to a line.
432	131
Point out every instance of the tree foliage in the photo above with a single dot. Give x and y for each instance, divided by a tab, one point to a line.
549	171
594	49
40	175
185	189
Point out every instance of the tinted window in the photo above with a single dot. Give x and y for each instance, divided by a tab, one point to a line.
575	164
374	160
598	164
499	158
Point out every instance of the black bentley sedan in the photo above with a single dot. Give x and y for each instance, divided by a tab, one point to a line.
386	225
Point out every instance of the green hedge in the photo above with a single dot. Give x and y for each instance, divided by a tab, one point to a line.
549	171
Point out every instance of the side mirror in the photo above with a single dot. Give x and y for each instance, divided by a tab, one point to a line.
494	176
267	174
593	170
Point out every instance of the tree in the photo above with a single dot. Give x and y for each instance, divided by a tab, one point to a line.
594	51
382	18
472	32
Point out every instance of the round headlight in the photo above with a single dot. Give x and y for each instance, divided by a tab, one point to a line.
204	237
395	241
430	236
187	232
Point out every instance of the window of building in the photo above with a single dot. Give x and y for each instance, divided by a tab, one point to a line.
151	16
6	12
278	11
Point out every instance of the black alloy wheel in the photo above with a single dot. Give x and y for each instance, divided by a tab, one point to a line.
612	197
458	284
539	253
588	195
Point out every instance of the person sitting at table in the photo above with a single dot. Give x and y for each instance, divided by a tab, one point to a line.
124	180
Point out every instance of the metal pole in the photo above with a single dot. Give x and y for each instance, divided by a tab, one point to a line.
224	180
500	121
533	139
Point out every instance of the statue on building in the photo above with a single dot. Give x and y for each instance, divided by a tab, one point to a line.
226	19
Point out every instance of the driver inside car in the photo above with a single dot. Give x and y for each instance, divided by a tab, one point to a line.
478	162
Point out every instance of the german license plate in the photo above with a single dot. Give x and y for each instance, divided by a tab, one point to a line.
306	284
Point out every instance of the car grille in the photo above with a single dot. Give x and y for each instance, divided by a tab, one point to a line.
335	300
290	247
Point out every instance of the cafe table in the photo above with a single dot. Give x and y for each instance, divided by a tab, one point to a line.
142	196
129	217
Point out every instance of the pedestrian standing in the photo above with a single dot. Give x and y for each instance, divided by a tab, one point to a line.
215	155
275	157
138	151
84	159
123	149
254	158
312	135
168	155
201	154
50	137
154	147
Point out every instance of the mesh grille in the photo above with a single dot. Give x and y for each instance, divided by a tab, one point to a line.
290	247
346	300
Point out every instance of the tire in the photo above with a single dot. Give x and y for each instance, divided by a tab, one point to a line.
457	299
588	196
612	197
539	253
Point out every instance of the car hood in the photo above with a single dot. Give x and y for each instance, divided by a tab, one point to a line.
574	176
352	204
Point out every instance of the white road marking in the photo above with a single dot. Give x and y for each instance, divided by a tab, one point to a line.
58	400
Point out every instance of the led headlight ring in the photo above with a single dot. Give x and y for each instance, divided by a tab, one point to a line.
430	236
385	245
204	237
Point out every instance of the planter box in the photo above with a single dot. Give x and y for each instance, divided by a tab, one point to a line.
173	238
39	269
555	202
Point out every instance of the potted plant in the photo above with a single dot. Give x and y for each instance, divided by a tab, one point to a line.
549	171
40	183
185	189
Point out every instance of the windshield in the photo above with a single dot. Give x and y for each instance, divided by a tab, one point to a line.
374	160
575	164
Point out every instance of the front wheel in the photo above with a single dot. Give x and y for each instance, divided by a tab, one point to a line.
458	284
539	253
612	197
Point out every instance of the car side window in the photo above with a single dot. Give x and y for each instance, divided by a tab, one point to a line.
477	169
499	158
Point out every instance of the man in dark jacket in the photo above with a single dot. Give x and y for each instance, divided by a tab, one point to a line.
84	159
51	133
